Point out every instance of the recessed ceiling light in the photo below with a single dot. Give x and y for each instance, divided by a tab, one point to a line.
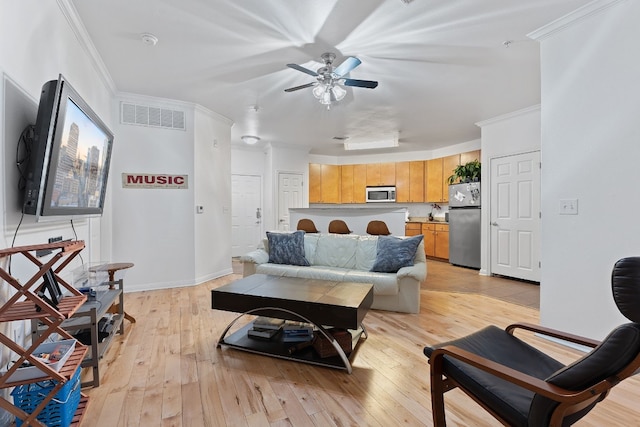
250	139
149	39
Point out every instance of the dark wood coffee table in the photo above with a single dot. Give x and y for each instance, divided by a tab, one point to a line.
322	303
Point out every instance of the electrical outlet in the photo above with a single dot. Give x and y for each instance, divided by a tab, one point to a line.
568	207
55	239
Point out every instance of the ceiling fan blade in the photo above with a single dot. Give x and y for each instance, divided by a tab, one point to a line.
291	89
304	70
369	84
349	64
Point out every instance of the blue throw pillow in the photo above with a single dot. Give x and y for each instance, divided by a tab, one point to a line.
393	253
287	248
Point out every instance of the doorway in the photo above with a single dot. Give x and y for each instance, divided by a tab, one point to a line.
246	213
290	195
515	216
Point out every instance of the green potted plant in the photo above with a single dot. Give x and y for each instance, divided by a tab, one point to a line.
468	172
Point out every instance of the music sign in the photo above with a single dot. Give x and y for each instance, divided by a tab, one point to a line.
145	180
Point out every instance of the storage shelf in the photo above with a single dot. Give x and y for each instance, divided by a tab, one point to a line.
22	306
87	317
25	310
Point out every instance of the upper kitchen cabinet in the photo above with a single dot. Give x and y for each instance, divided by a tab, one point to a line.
381	174
410	182
469	156
353	182
437	172
324	183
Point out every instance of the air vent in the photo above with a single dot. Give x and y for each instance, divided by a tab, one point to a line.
144	115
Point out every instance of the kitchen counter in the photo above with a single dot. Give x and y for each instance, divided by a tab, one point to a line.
426	221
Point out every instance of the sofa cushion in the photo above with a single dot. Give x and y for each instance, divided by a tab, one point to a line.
287	248
366	252
336	250
310	246
383	283
393	253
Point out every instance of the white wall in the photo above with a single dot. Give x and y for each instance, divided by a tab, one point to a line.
212	183
506	135
590	151
155	229
36	44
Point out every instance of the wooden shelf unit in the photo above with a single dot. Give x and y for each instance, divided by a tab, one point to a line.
22	306
88	317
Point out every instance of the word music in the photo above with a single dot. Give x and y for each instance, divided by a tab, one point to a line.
141	180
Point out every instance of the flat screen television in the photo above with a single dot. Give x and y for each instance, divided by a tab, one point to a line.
69	156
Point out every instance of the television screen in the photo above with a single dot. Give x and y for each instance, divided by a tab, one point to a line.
69	156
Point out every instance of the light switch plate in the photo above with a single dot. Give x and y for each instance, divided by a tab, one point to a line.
568	207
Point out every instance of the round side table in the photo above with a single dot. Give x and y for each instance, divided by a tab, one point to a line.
111	270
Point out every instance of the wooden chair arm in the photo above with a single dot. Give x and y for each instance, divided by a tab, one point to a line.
523	380
588	342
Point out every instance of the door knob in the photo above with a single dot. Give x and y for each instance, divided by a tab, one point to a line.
495	224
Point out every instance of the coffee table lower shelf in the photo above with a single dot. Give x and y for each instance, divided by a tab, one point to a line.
275	347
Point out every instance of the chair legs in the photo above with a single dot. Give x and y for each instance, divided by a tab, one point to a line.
438	389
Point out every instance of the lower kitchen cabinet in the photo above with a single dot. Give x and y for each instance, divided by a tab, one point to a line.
412	228
436	240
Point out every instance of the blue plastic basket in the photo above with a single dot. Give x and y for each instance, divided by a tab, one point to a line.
59	411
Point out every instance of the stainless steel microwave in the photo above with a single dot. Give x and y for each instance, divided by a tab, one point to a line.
381	194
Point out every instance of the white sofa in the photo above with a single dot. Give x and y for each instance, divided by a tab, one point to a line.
348	258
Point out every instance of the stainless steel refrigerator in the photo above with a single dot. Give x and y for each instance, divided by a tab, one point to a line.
464	224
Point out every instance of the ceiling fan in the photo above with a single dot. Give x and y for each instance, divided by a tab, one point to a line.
330	83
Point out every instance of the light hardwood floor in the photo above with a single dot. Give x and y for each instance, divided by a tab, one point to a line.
167	371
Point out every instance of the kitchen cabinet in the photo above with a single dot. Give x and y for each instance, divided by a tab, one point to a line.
380	174
469	156
436	240
410	182
412	229
437	172
353	183
324	183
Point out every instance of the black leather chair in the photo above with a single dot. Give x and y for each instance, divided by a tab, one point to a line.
338	226
307	226
521	386
378	228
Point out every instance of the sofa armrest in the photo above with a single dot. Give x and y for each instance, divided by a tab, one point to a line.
417	271
259	256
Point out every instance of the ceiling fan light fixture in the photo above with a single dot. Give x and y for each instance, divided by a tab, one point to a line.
339	92
250	139
319	90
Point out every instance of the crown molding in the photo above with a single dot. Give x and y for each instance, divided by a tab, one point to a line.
71	14
510	115
560	24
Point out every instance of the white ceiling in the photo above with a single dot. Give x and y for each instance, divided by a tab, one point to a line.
442	65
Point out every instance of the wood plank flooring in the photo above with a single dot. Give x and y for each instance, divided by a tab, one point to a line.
166	370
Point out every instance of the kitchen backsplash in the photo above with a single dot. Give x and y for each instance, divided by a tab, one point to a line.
423	210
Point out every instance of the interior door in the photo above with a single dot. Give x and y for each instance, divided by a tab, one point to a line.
515	216
246	213
290	195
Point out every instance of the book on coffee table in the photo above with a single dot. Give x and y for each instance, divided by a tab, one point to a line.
297	337
263	322
291	326
262	333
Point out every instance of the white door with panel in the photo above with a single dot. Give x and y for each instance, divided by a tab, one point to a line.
246	213
290	195
515	216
